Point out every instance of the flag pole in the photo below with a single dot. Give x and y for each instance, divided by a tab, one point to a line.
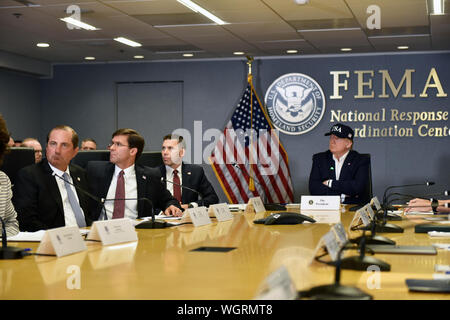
251	183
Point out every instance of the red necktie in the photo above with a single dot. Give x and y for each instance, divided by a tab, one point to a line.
176	186
119	205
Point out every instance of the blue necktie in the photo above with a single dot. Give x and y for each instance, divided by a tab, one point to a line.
74	203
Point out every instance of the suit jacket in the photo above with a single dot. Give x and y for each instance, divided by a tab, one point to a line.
148	181
37	199
353	180
193	176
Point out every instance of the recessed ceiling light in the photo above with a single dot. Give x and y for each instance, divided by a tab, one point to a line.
238	53
138	57
188	54
438	7
402	47
78	23
291	51
128	42
346	49
42	45
89	58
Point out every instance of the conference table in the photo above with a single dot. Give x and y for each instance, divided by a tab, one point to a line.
227	260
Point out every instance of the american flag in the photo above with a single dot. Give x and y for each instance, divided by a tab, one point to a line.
248	159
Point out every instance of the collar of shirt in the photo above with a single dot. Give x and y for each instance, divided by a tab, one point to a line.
128	172
59	172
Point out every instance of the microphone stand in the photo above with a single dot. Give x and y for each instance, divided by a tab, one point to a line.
385	205
153	224
362	262
6	252
335	291
385	227
184	187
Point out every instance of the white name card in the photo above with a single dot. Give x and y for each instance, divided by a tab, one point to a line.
341	235
199	216
360	215
61	242
376	203
320	203
221	211
257	204
113	231
277	286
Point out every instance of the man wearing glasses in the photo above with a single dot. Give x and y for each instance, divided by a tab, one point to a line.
121	179
45	195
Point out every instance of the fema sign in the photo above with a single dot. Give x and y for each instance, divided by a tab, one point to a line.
295	103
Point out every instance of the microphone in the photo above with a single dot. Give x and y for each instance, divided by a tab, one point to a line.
144	225
153	224
336	290
428	183
180	185
9	252
90	195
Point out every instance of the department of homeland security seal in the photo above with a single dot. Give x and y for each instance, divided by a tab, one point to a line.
295	103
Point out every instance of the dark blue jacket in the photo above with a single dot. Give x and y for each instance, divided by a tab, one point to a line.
353	180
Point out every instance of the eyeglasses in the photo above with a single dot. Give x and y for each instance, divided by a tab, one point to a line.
117	145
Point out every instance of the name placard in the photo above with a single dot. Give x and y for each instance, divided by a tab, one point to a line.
376	203
277	286
61	242
320	203
221	211
199	216
257	205
360	215
113	231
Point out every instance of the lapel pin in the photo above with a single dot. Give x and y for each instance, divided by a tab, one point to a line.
144	177
189	173
78	178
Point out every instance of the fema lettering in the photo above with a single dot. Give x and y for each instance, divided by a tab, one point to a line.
295	103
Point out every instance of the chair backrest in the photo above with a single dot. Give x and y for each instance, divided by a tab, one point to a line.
15	160
368	193
84	156
150	159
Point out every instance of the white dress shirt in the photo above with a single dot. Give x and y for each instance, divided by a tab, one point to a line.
130	193
338	163
69	215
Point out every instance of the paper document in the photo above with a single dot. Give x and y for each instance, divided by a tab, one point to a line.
35	236
415	213
439	234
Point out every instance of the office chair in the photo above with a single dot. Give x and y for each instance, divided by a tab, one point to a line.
16	159
150	159
368	192
84	156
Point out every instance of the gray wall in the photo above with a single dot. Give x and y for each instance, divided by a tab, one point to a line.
84	96
20	104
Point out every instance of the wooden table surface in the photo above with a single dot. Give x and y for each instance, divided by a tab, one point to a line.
162	265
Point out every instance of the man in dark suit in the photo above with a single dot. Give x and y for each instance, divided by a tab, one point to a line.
121	178
44	201
190	176
340	170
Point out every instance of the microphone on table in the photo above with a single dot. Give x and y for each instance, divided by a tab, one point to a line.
143	225
335	291
267	206
6	252
182	186
428	183
153	224
90	195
